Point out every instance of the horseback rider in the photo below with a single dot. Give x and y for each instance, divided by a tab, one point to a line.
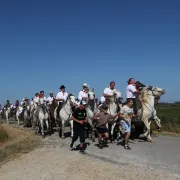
39	100
50	98
109	91
7	104
36	98
131	93
83	94
61	97
17	103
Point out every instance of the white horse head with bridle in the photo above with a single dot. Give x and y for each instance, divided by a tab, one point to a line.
92	101
149	95
65	113
43	118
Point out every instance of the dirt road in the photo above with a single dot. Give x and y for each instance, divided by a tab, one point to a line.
55	161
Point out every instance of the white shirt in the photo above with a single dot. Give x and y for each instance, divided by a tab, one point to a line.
102	99
130	91
50	99
109	91
42	100
36	99
127	111
61	95
22	103
82	95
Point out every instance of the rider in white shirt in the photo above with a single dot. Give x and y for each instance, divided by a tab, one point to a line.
42	98
23	102
109	91
50	98
61	97
131	93
39	101
36	98
83	94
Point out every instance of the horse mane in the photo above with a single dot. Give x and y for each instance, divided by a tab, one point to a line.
143	96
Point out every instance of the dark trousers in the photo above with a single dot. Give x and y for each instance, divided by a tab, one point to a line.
79	132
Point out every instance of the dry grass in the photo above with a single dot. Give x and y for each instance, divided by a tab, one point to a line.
171	129
14	141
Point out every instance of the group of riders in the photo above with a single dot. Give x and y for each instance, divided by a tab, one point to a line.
127	110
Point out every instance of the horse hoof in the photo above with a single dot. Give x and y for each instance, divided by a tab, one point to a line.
63	137
141	136
43	136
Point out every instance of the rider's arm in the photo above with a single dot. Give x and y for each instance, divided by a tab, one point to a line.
105	94
59	98
112	116
96	116
133	89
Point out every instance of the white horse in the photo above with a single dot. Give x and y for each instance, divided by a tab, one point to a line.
147	113
32	109
25	116
91	110
113	109
43	118
65	114
7	114
18	114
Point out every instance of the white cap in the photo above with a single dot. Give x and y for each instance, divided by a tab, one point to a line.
85	85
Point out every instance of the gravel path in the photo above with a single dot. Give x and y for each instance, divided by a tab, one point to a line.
55	161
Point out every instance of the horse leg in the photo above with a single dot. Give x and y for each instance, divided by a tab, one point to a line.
7	118
157	122
92	127
63	128
47	123
42	128
112	130
72	132
147	133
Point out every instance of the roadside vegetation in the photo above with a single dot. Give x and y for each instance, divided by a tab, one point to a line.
170	117
15	141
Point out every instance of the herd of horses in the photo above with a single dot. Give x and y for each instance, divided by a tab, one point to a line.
49	116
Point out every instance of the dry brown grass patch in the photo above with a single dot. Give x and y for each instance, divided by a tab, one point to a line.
15	141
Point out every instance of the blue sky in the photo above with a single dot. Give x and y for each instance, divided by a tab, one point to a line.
44	44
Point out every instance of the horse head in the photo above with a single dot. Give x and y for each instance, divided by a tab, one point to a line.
91	95
156	92
72	100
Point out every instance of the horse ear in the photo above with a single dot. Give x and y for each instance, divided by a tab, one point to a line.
92	90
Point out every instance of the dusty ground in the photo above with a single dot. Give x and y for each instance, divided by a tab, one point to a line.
55	161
